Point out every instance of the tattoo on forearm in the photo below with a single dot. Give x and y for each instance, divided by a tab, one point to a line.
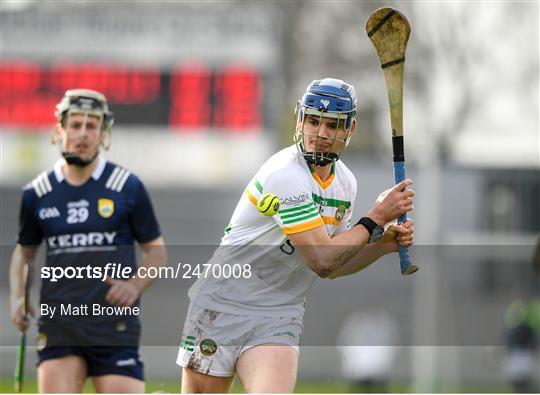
345	256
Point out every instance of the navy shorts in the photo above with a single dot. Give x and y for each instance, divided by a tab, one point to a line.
100	360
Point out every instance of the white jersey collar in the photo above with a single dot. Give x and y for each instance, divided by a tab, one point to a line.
95	174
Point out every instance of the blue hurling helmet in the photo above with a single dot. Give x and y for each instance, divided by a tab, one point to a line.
326	98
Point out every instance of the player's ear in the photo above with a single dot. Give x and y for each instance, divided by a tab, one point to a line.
298	123
353	127
56	133
105	139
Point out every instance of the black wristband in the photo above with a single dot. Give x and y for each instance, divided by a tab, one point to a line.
368	223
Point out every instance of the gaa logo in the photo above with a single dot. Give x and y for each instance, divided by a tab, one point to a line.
49	212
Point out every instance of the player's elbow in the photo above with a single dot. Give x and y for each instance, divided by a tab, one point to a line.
322	269
157	254
325	273
162	255
318	260
332	275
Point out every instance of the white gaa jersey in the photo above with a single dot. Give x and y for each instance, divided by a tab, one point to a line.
280	277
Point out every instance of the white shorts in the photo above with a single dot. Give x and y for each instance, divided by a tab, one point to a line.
213	341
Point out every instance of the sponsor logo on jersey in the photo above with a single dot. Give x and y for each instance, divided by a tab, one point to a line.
340	212
208	347
323	202
294	200
82	239
105	207
49	212
78	204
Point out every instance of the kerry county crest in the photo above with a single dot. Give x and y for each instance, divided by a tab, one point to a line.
105	207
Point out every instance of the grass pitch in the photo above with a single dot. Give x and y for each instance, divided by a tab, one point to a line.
321	387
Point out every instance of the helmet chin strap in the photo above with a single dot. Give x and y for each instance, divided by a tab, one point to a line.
73	159
320	158
76	160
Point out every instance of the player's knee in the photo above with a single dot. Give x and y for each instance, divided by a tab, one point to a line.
192	382
118	384
196	383
66	374
269	386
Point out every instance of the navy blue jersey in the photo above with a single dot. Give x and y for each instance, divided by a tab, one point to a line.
87	226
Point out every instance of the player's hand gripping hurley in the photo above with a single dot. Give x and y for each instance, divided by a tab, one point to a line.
389	32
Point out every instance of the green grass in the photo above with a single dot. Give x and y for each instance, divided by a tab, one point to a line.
173	386
321	387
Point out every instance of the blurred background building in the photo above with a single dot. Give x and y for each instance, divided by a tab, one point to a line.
204	92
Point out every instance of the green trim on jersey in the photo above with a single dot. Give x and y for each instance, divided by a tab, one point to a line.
300	219
227	230
308	210
290	210
330	202
258	186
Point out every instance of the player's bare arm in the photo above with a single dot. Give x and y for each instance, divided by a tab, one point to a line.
326	254
393	236
125	293
21	255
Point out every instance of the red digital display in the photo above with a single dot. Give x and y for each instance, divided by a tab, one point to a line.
190	93
21	104
238	97
119	83
191	98
20	78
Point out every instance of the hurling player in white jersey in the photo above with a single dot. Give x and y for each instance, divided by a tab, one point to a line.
251	324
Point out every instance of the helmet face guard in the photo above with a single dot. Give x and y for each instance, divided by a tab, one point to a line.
327	98
87	103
